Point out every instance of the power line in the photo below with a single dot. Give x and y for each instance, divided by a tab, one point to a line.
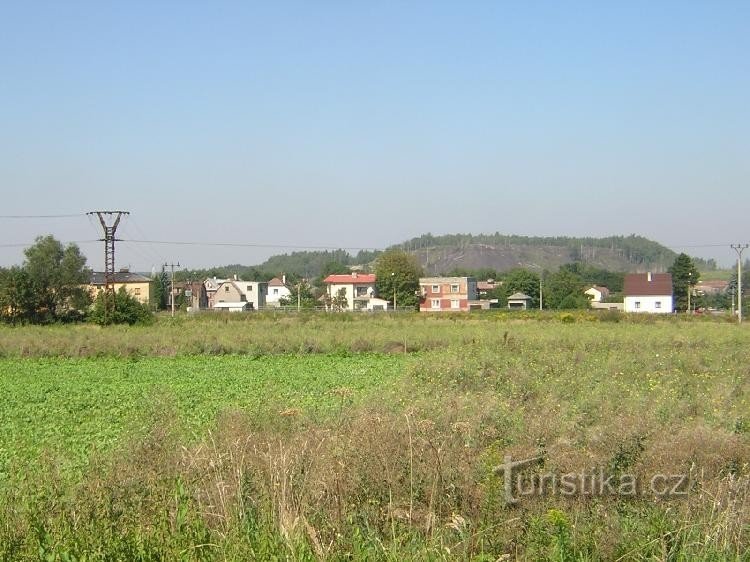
28	244
42	216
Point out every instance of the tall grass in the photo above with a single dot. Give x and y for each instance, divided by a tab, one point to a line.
411	473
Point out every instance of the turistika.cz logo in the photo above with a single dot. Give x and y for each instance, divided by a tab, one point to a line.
593	483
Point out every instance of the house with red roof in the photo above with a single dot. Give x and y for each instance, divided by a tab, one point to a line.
355	287
649	292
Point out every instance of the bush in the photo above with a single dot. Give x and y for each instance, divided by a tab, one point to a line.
127	310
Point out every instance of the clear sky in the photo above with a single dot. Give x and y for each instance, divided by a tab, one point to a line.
365	123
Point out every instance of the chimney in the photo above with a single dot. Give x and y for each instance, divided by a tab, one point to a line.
648	276
354	274
283	278
235	277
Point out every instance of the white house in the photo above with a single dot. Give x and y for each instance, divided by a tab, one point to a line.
649	292
277	290
354	284
597	293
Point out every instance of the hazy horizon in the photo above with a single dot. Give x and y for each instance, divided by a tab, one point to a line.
361	126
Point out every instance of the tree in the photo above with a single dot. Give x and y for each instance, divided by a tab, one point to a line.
162	286
50	286
564	290
520	280
684	275
17	303
127	310
306	297
398	274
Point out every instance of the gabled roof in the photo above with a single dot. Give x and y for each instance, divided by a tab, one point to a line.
648	284
599	288
519	297
351	279
276	282
97	277
212	283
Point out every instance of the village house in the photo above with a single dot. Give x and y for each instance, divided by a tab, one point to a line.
236	291
351	285
712	287
277	290
193	294
137	286
648	292
597	293
211	286
447	294
484	288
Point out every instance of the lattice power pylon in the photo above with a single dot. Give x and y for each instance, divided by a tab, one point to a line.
106	217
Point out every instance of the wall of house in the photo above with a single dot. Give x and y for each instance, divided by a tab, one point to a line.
255	292
444	299
654	304
596	296
142	292
350	291
272	298
228	292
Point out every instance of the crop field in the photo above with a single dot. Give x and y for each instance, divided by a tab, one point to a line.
339	437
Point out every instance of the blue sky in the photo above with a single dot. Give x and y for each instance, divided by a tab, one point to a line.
362	124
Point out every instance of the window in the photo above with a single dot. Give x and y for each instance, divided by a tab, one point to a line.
275	291
435	303
454	288
436	288
361	291
137	291
249	287
657	304
455	303
637	305
226	288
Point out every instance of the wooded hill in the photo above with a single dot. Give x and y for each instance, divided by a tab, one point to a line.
499	252
503	252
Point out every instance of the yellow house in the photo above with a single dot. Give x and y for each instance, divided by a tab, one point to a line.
138	286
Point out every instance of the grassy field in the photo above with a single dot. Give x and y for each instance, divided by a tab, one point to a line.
353	437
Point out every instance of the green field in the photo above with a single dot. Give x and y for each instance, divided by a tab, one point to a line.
67	408
354	437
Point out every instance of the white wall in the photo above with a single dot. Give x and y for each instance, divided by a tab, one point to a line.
272	299
256	295
649	304
334	288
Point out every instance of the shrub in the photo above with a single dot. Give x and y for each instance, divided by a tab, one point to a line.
127	310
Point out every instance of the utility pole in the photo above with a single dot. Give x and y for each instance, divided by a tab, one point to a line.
739	248
299	297
540	292
171	289
393	276
105	217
